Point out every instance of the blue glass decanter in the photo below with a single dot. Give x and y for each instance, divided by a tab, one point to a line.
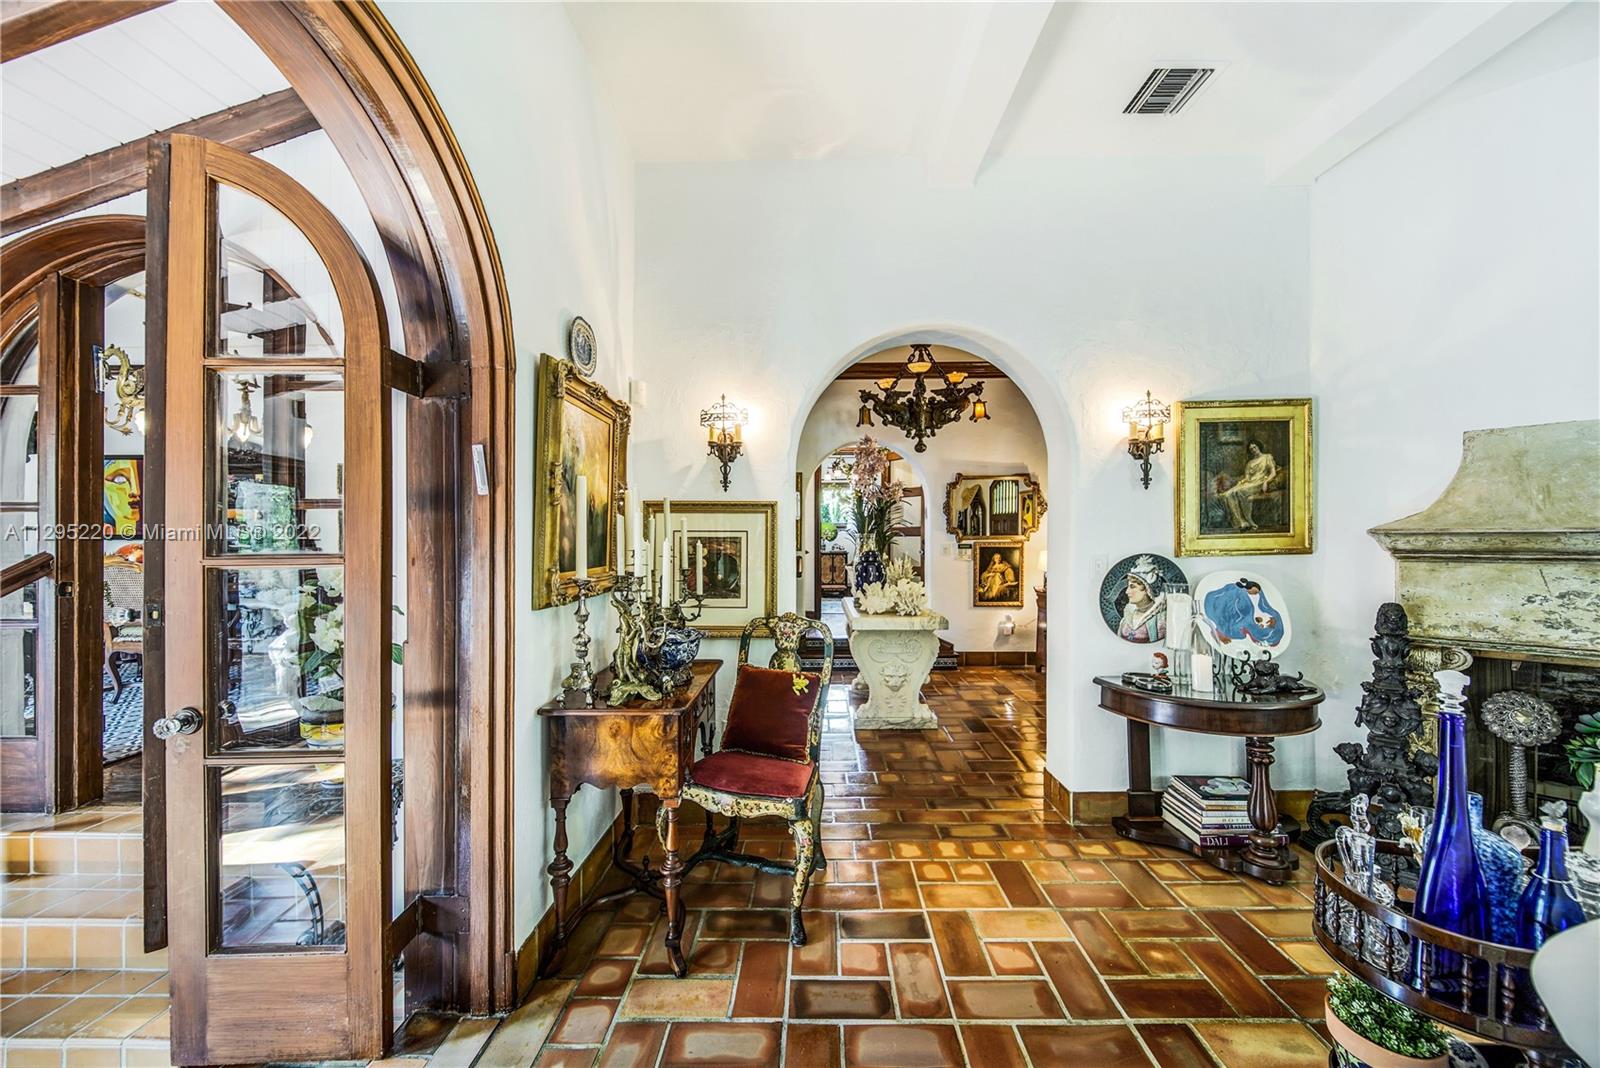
1502	868
1450	889
1547	905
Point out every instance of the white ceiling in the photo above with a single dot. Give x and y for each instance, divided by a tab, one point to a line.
124	81
773	81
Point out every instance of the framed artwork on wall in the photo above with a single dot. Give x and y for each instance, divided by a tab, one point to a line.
1244	478
122	497
992	506
582	430
997	574
728	553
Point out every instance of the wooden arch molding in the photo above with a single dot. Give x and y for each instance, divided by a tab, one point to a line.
356	77
98	249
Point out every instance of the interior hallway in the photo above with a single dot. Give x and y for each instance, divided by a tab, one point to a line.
954	926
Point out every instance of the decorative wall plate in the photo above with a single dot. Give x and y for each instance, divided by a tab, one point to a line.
1133	597
1242	615
581	348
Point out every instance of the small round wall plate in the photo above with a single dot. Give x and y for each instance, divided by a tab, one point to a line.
1133	597
581	349
1242	615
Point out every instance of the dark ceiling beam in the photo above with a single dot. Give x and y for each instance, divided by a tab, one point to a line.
874	371
119	171
29	25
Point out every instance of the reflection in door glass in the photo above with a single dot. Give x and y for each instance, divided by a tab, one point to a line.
19	449
280	660
19	662
281	439
281	860
276	296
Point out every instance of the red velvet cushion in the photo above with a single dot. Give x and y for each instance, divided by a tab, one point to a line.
758	776
768	717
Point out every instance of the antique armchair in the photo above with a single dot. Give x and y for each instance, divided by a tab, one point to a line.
768	762
122	629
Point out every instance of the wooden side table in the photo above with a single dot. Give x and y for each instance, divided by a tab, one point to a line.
1258	721
648	744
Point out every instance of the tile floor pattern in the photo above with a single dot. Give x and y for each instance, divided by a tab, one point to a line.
954	926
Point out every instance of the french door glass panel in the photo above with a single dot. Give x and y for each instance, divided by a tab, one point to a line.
275	297
19	662
281	442
281	857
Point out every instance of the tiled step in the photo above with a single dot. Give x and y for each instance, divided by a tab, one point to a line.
67	1018
104	840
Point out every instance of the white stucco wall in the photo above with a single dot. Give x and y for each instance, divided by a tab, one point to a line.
557	186
1455	268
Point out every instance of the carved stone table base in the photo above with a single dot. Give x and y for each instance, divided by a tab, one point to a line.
894	655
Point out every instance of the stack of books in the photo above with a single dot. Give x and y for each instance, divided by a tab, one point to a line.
1209	810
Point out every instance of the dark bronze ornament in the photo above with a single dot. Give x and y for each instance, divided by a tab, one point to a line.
724	425
919	411
1383	769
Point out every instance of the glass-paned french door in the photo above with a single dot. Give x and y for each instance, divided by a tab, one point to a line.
276	551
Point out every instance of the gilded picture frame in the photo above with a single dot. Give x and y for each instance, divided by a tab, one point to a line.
966	523
581	429
746	534
998	573
1244	478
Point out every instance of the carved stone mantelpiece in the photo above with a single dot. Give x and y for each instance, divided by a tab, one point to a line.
895	655
1507	561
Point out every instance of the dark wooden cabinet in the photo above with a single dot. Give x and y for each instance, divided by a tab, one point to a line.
1040	642
834	571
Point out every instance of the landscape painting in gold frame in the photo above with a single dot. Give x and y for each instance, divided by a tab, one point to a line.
1244	478
582	430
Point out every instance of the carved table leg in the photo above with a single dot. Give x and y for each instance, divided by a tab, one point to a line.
1264	857
560	871
671	880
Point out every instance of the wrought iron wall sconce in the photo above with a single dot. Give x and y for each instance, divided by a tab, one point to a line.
724	425
1147	430
114	369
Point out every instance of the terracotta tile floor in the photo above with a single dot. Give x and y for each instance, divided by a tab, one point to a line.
953	926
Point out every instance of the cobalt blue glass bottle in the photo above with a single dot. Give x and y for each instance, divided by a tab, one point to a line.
1450	890
1547	905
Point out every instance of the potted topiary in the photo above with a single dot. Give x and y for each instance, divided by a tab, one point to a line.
1375	1031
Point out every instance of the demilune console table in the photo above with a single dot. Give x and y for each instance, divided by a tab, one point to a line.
1256	719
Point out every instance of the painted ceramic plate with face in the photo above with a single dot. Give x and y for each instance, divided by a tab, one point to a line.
1133	597
1242	615
581	347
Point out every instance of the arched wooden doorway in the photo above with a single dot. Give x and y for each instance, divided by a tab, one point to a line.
51	286
355	76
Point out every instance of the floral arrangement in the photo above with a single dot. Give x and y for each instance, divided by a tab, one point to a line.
875	510
901	593
1384	1021
1583	749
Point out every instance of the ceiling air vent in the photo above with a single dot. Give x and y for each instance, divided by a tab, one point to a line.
1167	90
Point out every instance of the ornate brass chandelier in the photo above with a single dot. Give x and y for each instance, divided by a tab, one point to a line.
919	411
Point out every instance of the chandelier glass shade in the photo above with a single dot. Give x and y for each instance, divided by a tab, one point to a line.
919	411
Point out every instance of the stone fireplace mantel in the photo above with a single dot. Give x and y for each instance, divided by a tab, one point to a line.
1507	561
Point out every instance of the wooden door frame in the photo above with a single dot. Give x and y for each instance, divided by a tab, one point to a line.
49	277
355	76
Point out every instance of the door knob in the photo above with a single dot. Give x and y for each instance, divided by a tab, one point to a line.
183	721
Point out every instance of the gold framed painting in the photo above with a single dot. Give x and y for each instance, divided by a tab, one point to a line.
727	552
1244	478
997	578
582	430
992	506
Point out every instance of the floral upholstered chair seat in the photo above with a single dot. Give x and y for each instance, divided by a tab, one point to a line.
767	764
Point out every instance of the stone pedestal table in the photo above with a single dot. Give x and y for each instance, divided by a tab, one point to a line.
894	655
